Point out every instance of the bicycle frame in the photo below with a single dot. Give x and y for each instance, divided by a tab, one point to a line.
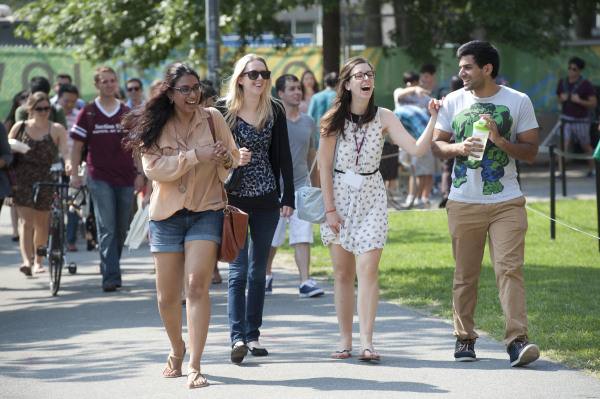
55	251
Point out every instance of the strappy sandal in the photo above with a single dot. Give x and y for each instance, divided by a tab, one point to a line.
195	379
173	368
341	355
369	355
38	269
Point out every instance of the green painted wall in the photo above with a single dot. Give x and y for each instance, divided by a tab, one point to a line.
534	75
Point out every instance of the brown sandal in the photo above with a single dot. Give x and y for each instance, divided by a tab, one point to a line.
26	270
173	368
195	379
369	355
341	355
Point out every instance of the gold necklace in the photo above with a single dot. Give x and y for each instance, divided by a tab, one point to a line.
182	188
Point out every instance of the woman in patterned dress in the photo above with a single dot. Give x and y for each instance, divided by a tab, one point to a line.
258	124
46	140
355	230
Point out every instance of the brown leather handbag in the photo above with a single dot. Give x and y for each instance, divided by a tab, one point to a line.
235	221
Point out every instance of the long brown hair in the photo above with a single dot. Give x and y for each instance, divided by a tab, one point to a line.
144	124
334	120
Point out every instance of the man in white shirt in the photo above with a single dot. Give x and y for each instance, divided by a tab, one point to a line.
301	132
485	197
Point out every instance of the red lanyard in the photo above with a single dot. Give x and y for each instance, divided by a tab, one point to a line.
359	147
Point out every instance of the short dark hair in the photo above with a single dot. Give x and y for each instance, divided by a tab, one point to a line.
428	68
67	88
135	80
456	83
39	83
208	89
64	76
280	82
580	63
483	53
331	79
410	77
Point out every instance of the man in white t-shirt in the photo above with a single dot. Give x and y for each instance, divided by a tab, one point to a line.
301	132
485	197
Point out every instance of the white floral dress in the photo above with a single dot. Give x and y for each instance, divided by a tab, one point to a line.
363	210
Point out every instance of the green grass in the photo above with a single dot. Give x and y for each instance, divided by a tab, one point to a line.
562	278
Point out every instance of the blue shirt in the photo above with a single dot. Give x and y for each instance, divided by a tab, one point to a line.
319	104
413	117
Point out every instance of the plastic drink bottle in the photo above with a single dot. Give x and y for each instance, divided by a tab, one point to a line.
482	132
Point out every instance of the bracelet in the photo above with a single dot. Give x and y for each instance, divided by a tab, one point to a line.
229	162
331	210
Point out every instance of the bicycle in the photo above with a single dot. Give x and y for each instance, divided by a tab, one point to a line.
55	250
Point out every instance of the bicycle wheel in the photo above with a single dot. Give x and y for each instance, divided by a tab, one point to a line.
56	253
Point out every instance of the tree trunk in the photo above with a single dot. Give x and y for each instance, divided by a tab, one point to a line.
331	36
372	18
585	20
401	31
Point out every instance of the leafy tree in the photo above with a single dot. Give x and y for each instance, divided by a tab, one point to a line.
537	26
145	32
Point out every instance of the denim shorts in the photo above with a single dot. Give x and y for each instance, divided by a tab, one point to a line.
170	235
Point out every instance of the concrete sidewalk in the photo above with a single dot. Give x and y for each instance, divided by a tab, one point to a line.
86	343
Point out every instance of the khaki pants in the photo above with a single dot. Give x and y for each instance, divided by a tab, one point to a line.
505	223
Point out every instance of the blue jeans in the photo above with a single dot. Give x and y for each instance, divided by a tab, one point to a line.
72	225
112	208
249	268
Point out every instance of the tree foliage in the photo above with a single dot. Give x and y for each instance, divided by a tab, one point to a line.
145	32
537	26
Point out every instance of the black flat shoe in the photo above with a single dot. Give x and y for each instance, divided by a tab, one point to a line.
238	353
258	351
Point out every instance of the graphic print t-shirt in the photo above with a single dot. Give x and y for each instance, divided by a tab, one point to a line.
107	160
494	178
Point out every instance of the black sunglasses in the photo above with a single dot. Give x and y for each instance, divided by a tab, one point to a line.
134	88
253	75
41	109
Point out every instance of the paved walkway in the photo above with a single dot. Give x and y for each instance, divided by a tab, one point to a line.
85	343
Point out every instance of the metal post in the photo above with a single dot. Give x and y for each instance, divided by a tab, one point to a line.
563	160
597	162
552	194
212	41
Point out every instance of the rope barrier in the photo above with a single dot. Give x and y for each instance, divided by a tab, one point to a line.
562	223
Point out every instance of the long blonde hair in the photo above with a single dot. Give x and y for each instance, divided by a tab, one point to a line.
234	98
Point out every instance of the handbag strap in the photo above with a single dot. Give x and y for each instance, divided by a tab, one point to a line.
211	126
19	135
317	157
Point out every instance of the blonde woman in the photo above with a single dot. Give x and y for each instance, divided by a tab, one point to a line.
355	230
46	140
258	123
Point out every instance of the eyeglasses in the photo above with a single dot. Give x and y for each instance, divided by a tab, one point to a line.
134	88
253	75
41	109
186	90
363	75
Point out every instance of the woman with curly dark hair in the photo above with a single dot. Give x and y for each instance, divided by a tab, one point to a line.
173	134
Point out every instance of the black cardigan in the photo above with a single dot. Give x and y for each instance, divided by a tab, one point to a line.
280	156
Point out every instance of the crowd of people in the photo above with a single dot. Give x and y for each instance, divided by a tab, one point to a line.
178	147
